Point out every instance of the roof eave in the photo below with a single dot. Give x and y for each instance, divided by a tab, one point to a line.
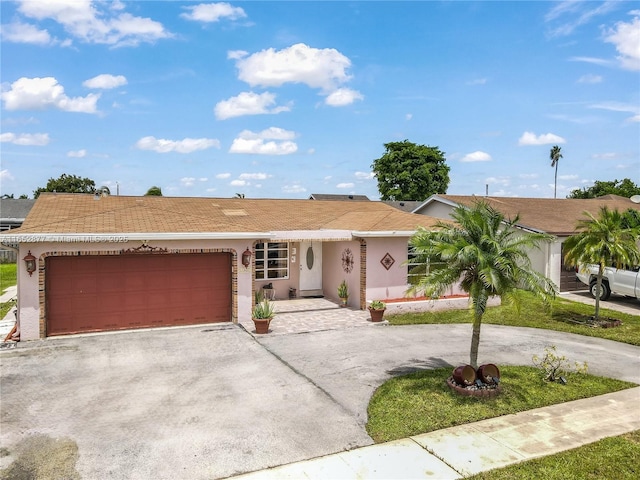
130	236
384	234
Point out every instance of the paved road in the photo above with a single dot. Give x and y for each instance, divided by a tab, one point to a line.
204	402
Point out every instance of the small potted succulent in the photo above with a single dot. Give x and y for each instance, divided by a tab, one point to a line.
376	309
262	314
343	293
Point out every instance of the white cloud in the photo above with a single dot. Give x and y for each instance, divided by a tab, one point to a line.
203	179
364	175
96	22
18	32
579	13
272	141
476	156
105	81
342	97
590	78
253	176
408	116
77	153
325	68
528	175
620	107
477	81
504	181
223	176
530	138
186	145
593	60
248	103
345	185
568	177
626	38
238	183
294	189
213	12
187	181
25	139
6	175
44	93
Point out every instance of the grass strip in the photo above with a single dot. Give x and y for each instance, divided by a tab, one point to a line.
422	401
563	316
615	458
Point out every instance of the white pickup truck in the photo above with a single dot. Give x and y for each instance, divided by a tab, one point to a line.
617	280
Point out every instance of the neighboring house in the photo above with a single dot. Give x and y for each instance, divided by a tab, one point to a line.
404	205
117	262
333	196
13	211
557	217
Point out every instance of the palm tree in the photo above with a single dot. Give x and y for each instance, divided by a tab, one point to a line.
486	255
604	240
555	157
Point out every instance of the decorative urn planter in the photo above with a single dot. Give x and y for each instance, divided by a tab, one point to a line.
262	325
376	309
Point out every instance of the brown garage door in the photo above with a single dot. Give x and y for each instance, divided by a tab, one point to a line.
98	293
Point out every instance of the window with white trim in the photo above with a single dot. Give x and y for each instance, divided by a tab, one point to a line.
272	260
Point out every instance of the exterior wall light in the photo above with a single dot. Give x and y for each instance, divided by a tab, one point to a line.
30	263
246	258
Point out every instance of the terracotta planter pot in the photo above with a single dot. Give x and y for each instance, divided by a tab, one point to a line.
464	375
262	324
376	315
343	301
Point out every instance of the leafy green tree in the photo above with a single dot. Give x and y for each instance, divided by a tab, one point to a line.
555	157
67	184
154	192
603	241
631	218
408	171
485	254
624	188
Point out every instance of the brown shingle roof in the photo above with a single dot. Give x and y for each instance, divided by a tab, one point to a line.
550	215
59	213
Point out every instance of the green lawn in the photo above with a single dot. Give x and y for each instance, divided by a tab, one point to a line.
422	401
8	277
615	458
564	316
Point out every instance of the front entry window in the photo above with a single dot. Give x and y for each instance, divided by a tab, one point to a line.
272	260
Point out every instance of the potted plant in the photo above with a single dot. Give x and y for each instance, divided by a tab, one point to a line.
262	314
343	293
376	309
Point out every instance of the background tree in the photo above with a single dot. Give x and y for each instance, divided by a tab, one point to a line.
67	184
603	241
555	157
624	188
154	192
485	254
408	171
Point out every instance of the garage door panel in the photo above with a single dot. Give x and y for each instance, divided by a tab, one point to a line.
95	293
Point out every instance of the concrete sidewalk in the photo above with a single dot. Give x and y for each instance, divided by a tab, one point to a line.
469	449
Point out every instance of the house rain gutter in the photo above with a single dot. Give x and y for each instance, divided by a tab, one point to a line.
126	237
317	235
387	233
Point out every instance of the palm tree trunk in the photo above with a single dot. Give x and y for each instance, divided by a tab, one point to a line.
475	340
598	291
555	181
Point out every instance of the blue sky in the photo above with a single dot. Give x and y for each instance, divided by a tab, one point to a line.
286	99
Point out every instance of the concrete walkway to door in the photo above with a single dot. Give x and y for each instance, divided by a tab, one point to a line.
303	315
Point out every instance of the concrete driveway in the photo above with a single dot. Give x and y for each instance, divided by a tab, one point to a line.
183	403
212	402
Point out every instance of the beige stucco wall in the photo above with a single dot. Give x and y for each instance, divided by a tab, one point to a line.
333	272
30	300
382	283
